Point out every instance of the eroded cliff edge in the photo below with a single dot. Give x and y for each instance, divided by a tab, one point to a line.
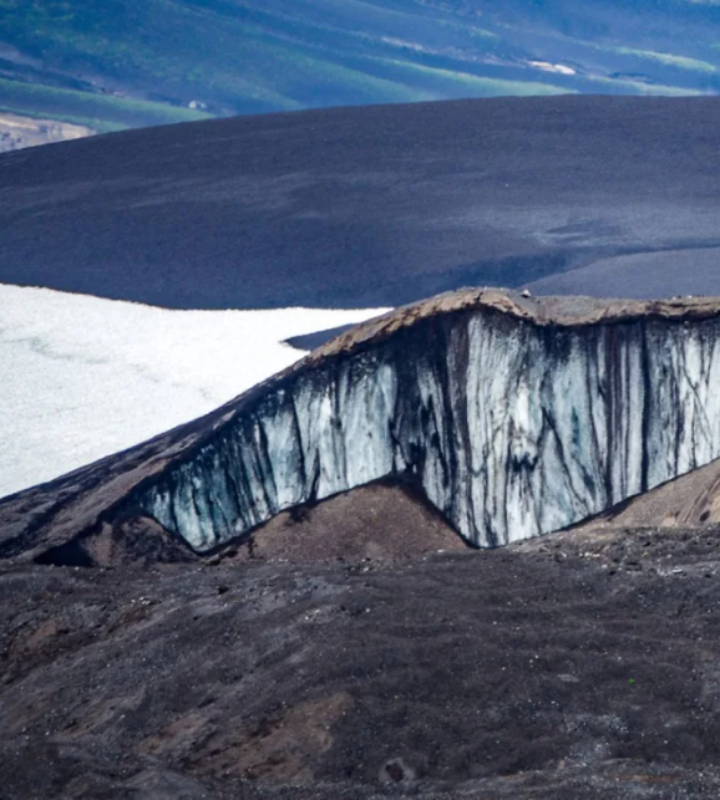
514	416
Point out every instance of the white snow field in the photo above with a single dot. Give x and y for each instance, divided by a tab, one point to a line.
82	377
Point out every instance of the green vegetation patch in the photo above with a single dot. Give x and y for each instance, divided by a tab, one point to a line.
444	80
653	89
254	56
669	60
81	107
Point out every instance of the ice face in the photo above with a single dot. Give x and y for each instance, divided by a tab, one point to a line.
511	429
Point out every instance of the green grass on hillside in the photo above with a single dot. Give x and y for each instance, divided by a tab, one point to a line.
100	112
649	89
445	82
249	56
681	62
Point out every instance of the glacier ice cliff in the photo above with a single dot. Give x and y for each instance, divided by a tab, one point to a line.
515	417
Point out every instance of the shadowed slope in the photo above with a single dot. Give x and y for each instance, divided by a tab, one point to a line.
675	272
369	207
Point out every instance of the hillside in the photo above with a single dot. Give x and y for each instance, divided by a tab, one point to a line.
376	206
330	209
129	64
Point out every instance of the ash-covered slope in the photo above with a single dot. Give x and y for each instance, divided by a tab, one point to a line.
375	206
513	416
690	502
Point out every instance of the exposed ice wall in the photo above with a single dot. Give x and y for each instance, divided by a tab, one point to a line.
511	429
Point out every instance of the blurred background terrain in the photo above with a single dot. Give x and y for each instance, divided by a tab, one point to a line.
107	66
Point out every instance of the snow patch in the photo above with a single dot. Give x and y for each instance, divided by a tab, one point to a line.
83	377
558	69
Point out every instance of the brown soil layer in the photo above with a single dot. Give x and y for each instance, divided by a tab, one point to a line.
541	311
589	671
691	500
380	524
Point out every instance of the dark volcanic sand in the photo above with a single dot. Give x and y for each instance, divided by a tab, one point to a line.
374	206
553	674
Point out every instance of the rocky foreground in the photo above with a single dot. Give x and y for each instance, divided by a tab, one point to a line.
542	670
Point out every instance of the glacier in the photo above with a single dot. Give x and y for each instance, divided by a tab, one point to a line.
513	420
83	377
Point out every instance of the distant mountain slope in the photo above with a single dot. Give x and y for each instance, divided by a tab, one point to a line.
120	64
375	206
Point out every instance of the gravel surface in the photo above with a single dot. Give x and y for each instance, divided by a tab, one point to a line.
558	673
